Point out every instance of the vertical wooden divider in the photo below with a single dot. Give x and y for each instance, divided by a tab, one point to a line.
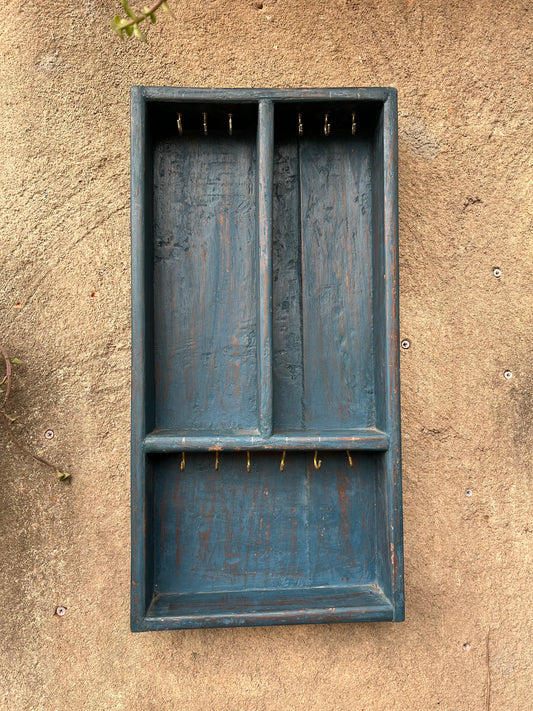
265	150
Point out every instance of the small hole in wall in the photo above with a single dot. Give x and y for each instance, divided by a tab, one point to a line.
258	5
93	294
466	646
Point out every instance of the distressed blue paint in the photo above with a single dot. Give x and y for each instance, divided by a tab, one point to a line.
265	318
232	530
253	96
205	349
367	439
258	607
265	138
392	339
287	344
338	349
141	563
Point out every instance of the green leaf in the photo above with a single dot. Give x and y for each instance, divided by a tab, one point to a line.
129	30
166	7
62	475
15	361
127	9
116	28
137	32
153	18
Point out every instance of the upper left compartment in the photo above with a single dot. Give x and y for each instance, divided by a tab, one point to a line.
204	286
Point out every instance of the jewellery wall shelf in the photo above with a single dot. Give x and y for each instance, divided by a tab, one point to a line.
265	418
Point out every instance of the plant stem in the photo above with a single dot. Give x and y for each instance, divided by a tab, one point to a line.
136	20
19	445
5	421
7	378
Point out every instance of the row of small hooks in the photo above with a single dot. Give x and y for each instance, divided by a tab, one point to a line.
327	124
317	463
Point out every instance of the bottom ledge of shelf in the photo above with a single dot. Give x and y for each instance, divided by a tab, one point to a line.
357	603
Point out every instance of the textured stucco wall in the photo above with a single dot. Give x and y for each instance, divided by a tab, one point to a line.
465	147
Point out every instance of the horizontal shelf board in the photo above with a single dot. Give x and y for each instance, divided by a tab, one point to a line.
268	607
363	439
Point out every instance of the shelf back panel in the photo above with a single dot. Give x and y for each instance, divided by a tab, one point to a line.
205	314
323	365
230	529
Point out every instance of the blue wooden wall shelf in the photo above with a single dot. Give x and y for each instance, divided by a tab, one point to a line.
265	328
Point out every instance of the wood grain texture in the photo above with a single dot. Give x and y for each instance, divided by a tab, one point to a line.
265	142
173	94
205	319
336	223
233	530
365	440
358	603
288	376
392	319
141	581
323	264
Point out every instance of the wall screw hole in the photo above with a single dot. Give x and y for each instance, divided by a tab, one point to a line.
468	492
61	611
406	344
49	434
508	375
497	272
466	646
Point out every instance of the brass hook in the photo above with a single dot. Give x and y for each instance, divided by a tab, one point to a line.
182	465
327	126
349	457
230	122
205	123
180	125
317	463
354	125
248	462
282	463
216	461
300	125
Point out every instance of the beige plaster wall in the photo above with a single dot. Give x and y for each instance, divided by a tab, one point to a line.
461	69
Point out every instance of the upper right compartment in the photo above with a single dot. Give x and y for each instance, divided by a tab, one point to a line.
330	320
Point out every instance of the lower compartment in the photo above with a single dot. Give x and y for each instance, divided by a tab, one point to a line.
265	546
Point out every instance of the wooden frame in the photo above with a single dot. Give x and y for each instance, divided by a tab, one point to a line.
265	319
